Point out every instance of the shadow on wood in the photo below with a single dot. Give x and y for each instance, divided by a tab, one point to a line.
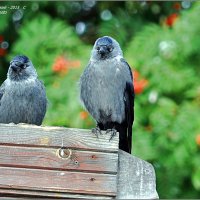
69	163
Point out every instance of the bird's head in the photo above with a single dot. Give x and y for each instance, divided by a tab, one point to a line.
105	48
21	68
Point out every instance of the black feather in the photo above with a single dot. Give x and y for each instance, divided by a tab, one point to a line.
104	41
21	58
129	109
129	105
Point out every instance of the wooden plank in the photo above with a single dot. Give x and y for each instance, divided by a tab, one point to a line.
58	181
31	165
30	194
48	158
56	137
136	178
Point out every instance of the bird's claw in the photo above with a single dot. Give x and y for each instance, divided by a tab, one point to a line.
96	131
113	133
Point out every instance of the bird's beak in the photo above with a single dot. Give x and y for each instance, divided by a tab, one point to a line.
14	67
102	50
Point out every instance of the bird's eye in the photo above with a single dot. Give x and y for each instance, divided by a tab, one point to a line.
98	48
22	66
109	49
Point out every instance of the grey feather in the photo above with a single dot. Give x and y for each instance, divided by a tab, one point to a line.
24	97
106	85
102	89
2	89
102	85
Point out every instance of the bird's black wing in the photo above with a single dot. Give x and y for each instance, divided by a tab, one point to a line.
2	89
129	104
43	96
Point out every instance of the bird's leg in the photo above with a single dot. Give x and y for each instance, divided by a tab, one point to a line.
96	130
113	132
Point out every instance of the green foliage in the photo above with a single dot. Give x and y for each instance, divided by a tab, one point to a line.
48	38
166	130
4	22
119	28
43	40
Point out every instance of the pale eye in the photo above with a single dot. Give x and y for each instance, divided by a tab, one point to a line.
109	49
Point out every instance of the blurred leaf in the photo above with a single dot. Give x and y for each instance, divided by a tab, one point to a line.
196	179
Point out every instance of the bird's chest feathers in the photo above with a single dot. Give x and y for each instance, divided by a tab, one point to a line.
107	71
107	83
20	88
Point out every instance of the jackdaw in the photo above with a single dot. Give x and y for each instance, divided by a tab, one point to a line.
22	95
106	90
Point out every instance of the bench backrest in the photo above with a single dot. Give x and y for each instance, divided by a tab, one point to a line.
57	162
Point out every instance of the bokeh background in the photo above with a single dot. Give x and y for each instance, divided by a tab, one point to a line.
161	42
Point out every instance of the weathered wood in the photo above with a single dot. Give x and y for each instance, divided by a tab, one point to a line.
30	135
31	166
32	163
136	178
26	194
47	158
58	181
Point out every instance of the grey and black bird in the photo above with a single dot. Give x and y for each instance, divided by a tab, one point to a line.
107	91
22	95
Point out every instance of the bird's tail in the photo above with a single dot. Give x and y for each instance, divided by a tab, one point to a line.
125	141
130	138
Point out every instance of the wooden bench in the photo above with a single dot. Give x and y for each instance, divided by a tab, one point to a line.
57	162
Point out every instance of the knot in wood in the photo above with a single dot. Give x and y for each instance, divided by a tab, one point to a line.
65	153
94	157
92	179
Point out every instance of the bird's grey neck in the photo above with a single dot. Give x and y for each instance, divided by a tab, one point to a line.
94	59
18	78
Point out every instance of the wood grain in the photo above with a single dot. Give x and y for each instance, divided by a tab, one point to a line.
31	135
31	164
47	158
58	181
31	194
136	178
30	167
